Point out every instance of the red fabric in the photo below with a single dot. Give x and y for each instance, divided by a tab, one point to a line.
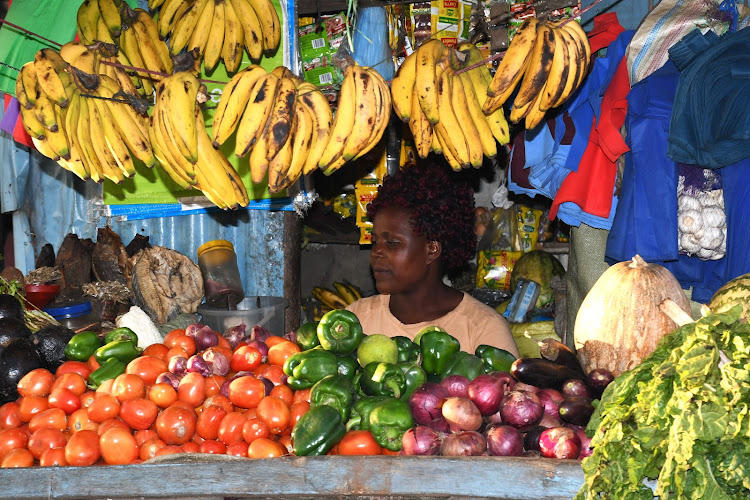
606	28
591	187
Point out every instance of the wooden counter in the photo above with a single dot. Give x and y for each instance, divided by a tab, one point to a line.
303	478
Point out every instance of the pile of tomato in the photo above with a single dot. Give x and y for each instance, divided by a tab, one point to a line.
58	420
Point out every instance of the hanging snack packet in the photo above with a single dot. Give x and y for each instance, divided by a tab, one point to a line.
528	226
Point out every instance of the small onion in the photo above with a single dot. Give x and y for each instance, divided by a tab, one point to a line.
168	378
462	414
503	441
262	349
267	383
463	444
205	338
420	440
548	421
426	401
551	399
520	386
522	410
486	392
178	365
217	361
457	385
259	333
197	364
439	425
560	442
191	330
235	335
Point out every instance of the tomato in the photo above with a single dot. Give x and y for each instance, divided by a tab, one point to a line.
386	451
112	423
17	458
274	412
245	358
213	384
53	457
192	389
209	420
226	351
156	350
213	447
168	450
224	344
79	420
278	353
265	448
72	381
147	368
175	351
87	398
51	417
65	399
286	440
219	400
284	392
176	424
106	387
150	447
246	392
37	382
255	428
83	448
10	415
78	367
118	447
249	413
169	338
162	394
144	435
104	407
237	449
138	413
187	343
10	439
28	406
358	443
302	395
296	411
272	340
230	427
44	439
191	447
128	386
275	373
92	363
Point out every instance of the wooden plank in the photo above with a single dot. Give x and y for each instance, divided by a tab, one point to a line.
303	477
292	257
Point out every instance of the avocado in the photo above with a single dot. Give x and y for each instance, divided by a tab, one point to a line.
16	360
10	307
11	328
50	343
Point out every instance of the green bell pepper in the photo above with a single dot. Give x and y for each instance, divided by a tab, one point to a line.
82	346
348	366
122	350
336	391
340	332
317	431
383	379
108	370
407	350
426	329
360	414
463	363
389	421
307	367
494	358
123	333
414	376
437	348
307	335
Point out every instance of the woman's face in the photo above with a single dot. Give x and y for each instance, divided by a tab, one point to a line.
399	256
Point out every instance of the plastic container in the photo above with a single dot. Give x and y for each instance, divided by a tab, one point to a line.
267	312
41	295
75	315
221	276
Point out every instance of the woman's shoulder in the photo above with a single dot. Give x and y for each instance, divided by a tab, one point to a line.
367	304
470	307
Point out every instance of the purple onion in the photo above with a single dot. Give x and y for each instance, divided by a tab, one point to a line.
551	399
168	378
520	386
560	442
503	441
439	425
196	364
463	444
426	402
548	421
420	440
487	392
191	330
259	333
178	365
267	383
586	449
205	338
262	349
217	361
457	385
235	335
522	410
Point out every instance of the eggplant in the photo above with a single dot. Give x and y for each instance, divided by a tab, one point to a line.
557	352
543	373
576	410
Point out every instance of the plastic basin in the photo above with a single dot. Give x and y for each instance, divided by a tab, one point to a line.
41	295
265	311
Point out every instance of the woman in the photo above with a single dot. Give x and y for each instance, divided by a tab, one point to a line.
423	228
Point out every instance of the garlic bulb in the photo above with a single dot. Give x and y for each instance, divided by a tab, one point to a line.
687	202
689	221
713	216
711	238
701	222
689	244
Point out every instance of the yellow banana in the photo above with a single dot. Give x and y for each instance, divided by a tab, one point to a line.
210	170
72	116
450	129
134	78
356	294
402	87
29	82
102	32
114	141
280	120
215	42
489	145
129	45
576	31
147	47
344	292
192	29
110	12
167	143
383	116
269	20
367	103
43	147
233	100
32	125
110	168
87	18
436	146
282	72
518	113
328	298
278	165
257	160
342	122
152	29
574	62
88	62
535	114
83	133
45	112
71	50
181	91
168	164
499	126
155	4
171	12
232	50
540	64
253	31
513	66
256	113
48	64
558	74
23	98
421	129
313	99
425	85
302	138
465	117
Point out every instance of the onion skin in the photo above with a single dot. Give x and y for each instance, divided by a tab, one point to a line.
262	349
463	444
560	442
217	361
520	386
197	364
420	440
523	410
426	402
178	365
551	399
548	422
457	385
487	392
503	441
235	335
168	378
586	449
462	414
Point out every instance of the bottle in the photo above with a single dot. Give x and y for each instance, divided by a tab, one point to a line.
75	315
221	277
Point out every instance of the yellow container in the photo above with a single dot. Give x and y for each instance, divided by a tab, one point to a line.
221	276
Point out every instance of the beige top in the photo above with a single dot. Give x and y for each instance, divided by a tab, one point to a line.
471	322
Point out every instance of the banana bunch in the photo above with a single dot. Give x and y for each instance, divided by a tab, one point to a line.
547	61
183	147
344	295
362	116
281	122
99	20
102	59
219	29
442	102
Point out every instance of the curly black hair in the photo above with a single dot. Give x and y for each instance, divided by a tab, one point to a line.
441	205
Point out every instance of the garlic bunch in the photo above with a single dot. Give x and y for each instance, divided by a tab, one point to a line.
701	224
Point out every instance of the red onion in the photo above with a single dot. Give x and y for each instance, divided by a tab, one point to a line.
168	378
598	379
551	399
520	386
503	441
462	414
495	418
439	425
420	440
586	449
267	383
426	402
191	330
548	421
235	335
197	364
262	349
487	391
575	387
463	444
178	365
259	333
522	410
217	361
205	338
457	385
559	442
224	389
